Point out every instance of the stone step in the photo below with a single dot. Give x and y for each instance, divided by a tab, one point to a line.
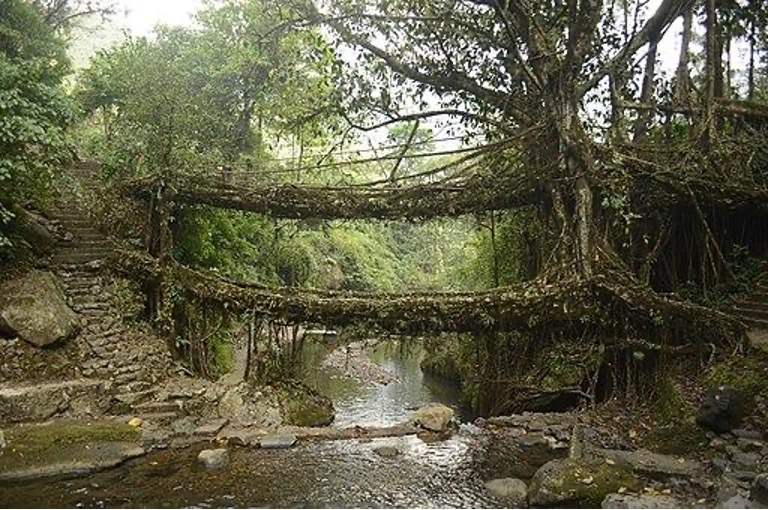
109	333
94	252
128	369
757	323
159	407
92	305
159	417
76	258
91	242
135	397
757	306
750	314
86	266
126	378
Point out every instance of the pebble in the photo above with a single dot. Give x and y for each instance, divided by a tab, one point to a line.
386	451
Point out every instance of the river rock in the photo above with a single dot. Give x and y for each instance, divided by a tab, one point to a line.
722	410
512	491
641	501
579	482
386	451
34	308
278	441
213	459
759	490
436	418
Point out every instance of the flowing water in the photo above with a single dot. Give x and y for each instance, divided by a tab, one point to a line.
325	474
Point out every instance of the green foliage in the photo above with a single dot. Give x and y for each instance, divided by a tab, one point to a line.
34	111
502	248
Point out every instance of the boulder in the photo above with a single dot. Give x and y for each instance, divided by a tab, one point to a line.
214	459
723	409
244	405
34	308
759	490
32	228
436	418
512	491
303	406
579	482
641	501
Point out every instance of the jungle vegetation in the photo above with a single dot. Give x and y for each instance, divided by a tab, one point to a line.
604	173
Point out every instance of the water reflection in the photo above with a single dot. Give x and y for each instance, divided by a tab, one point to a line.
368	403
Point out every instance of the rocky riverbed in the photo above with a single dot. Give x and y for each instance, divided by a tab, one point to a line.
523	460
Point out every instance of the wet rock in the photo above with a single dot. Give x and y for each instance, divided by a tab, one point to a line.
512	491
722	410
34	308
436	418
641	501
654	465
759	490
579	482
213	459
278	441
386	451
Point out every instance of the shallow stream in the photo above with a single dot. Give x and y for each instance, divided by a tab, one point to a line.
325	474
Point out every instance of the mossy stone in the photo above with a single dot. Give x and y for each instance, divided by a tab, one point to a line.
580	482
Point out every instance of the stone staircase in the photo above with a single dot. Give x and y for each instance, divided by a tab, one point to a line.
753	310
131	359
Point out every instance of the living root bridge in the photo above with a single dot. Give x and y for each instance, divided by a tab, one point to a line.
474	195
573	305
